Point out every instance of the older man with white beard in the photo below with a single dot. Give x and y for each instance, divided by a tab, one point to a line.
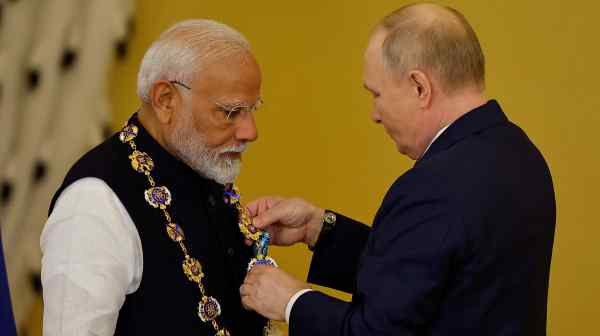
143	237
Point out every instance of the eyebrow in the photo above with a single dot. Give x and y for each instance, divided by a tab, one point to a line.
236	104
368	88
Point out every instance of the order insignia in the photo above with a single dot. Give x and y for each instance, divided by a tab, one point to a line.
128	133
193	269
158	197
245	223
268	261
223	332
141	162
208	309
175	232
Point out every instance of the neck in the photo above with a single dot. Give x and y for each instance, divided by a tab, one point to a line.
458	105
147	117
449	109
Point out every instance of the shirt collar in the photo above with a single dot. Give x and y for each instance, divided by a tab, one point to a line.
434	138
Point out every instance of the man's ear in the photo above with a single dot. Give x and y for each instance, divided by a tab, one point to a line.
422	86
164	99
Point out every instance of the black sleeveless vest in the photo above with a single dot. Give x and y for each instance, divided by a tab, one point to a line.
166	302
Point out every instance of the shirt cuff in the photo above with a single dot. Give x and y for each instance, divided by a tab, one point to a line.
290	304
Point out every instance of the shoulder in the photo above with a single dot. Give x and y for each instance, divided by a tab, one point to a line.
480	160
99	161
88	197
473	172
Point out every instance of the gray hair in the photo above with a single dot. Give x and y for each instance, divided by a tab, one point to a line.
441	40
182	50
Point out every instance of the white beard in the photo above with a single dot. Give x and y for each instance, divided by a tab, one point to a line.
190	147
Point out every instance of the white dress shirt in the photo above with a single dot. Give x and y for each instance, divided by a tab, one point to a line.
295	297
92	258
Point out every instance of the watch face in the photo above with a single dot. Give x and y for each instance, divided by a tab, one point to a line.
329	218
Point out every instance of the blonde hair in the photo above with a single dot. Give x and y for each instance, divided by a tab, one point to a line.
435	38
182	50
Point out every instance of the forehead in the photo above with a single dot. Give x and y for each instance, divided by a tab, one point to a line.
373	60
375	45
237	76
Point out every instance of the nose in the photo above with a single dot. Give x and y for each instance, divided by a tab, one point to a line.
246	129
376	116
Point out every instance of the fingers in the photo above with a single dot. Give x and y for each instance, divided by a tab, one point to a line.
253	277
253	207
262	204
245	289
245	294
249	289
273	215
267	291
287	220
273	201
256	271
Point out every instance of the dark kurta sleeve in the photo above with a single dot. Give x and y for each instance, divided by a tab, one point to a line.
336	258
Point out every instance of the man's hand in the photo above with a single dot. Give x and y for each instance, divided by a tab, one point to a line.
267	290
288	221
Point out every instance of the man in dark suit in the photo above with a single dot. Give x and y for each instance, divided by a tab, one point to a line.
462	242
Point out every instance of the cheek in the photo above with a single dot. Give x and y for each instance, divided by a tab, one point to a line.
216	137
382	107
213	134
390	113
396	121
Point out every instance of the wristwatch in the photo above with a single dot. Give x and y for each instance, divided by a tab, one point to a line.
329	219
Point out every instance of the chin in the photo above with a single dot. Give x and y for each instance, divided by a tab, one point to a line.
401	149
406	152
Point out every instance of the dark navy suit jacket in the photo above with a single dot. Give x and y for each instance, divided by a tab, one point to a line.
461	244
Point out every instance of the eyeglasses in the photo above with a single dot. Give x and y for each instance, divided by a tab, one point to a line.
231	112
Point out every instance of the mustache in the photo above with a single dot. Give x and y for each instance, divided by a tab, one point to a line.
234	148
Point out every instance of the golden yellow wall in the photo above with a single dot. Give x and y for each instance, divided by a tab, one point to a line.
316	139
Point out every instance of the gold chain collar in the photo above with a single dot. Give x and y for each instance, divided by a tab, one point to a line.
160	197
